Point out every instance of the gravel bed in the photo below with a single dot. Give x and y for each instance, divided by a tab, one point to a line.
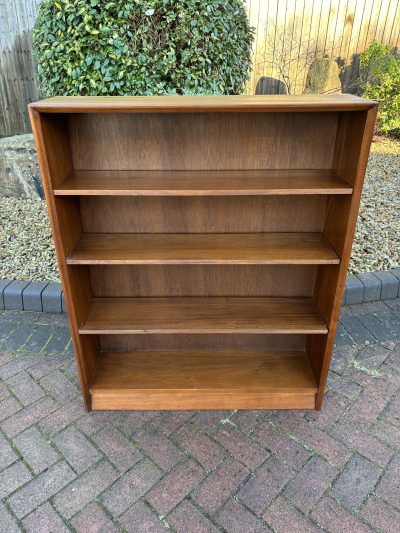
27	251
26	245
377	240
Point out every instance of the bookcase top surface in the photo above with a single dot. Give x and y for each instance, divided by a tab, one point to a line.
202	104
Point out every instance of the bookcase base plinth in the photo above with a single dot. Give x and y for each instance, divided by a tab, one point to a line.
187	401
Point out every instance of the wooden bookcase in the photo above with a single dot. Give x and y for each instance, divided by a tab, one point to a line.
203	242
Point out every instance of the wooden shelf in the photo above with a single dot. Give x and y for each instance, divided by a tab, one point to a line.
203	315
203	104
207	380
203	249
201	183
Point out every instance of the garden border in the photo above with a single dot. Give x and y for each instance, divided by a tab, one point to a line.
49	297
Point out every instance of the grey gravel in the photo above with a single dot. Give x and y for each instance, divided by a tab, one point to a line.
377	240
26	246
27	251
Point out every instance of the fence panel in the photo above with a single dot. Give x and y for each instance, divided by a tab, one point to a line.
17	83
291	33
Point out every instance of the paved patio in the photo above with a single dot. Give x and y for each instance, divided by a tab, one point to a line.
62	469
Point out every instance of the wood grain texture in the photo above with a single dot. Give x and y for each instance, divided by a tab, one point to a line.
227	370
208	141
232	214
350	159
201	183
53	142
203	315
208	249
187	342
182	401
51	138
177	380
184	104
202	280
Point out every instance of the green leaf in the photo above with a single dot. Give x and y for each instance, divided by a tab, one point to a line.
143	47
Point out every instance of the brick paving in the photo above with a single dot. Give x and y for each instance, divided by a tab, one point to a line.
62	469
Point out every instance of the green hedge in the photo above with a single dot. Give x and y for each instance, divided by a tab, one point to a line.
380	80
95	47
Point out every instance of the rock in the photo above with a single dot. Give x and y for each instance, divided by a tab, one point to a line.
323	77
19	168
266	85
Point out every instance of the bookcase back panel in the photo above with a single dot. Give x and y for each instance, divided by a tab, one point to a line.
192	342
202	215
202	280
206	141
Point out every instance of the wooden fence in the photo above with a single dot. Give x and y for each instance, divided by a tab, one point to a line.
17	82
289	35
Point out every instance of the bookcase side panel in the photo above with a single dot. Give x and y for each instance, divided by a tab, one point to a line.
51	137
350	160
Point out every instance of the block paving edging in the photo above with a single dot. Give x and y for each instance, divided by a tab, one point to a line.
31	296
49	297
372	286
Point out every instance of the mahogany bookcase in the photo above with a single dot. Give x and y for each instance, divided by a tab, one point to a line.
203	242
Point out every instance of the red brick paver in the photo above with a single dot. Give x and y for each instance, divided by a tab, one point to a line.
62	469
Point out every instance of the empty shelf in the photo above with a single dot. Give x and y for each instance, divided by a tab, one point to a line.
201	104
203	315
203	249
207	380
202	183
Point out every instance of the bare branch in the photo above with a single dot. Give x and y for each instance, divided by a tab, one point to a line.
285	49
